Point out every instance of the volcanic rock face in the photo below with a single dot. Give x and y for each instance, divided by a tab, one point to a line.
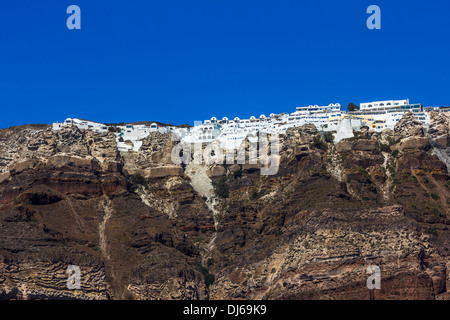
439	133
139	227
67	201
154	159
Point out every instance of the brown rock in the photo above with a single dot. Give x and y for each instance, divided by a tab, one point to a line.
234	167
413	143
163	171
308	232
251	167
301	151
407	127
60	161
216	171
4	176
23	165
299	135
343	146
442	141
365	145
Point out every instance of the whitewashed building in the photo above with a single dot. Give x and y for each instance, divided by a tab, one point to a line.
380	115
81	124
230	132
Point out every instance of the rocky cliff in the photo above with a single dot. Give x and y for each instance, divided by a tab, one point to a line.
140	227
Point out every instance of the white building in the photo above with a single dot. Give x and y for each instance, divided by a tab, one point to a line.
383	104
81	124
204	133
332	107
128	133
378	115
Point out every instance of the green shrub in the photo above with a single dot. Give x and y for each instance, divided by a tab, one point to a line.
434	196
138	180
254	195
238	173
431	231
385	147
436	212
328	136
22	201
319	144
209	279
364	171
201	268
221	188
113	129
352	107
209	262
278	232
199	238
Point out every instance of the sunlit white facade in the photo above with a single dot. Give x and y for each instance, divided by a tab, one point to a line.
230	132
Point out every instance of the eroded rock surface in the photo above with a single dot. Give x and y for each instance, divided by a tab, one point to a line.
140	227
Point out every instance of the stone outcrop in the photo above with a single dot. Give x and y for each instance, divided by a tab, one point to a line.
154	159
408	127
439	135
357	145
299	136
27	147
216	171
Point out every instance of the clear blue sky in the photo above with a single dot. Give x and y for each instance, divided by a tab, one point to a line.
180	61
